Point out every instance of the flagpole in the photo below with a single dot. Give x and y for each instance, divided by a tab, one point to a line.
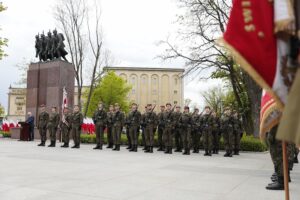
285	171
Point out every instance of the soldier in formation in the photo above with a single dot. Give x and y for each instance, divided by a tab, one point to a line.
52	126
177	130
76	123
133	122
206	127
65	127
160	129
99	119
195	131
185	123
110	141
118	121
42	122
149	123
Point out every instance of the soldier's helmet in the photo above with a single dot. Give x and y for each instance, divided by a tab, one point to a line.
162	106
54	31
149	104
207	107
186	108
133	104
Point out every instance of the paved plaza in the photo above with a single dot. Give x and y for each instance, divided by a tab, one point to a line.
41	173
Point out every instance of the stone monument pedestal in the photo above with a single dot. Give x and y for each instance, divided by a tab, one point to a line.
45	83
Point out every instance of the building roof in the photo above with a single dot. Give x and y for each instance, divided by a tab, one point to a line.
145	69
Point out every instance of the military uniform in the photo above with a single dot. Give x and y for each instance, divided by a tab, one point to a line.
160	131
65	127
99	119
168	118
177	132
110	140
185	122
216	134
195	132
227	125
206	127
129	140
134	120
52	127
42	126
150	123
237	133
77	121
118	123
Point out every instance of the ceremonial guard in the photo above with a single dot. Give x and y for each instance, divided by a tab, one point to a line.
133	123
149	123
42	124
177	130
65	127
110	141
185	122
216	133
118	123
206	126
160	129
77	121
168	128
227	125
99	119
196	132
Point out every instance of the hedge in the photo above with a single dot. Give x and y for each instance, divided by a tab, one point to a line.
248	143
5	134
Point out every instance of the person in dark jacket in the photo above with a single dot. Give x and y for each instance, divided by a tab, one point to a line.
30	121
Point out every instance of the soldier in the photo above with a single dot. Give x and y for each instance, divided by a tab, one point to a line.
65	127
185	122
237	133
206	126
53	125
168	118
143	129
99	119
160	128
150	122
216	133
177	130
227	124
118	123
276	156
134	120
49	46
77	121
196	132
110	141
296	152
42	124
127	132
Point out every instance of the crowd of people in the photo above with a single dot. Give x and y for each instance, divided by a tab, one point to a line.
185	128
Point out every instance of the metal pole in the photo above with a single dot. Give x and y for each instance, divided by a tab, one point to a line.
285	171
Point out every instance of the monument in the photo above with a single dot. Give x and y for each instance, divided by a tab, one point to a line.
47	78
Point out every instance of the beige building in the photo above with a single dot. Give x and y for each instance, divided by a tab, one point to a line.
153	85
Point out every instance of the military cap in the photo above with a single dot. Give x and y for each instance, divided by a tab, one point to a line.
168	104
149	104
134	104
186	107
162	106
207	107
196	109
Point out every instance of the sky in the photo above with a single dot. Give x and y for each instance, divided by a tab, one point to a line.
131	30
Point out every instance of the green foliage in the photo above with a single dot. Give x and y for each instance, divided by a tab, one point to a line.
248	143
2	111
5	134
3	41
111	89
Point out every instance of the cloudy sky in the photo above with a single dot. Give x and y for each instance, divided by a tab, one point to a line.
131	30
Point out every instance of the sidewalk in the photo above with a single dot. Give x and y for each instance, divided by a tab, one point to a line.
41	173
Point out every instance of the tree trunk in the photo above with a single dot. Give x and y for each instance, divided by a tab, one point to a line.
254	95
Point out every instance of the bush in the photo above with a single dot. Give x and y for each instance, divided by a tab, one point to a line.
5	134
248	143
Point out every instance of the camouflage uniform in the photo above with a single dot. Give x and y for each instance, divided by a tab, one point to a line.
206	126
99	118
42	126
160	131
177	132
216	134
109	122
185	122
118	123
150	122
65	126
77	121
196	132
129	140
52	127
169	125
237	132
143	131
134	120
227	125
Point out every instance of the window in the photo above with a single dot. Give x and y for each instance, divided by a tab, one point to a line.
19	108
176	81
154	80
144	80
175	91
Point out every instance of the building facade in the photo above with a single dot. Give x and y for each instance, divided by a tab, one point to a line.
153	85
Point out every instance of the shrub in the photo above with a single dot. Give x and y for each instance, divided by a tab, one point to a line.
248	143
5	134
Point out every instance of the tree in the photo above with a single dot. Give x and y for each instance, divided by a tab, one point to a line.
3	41
202	23
2	110
111	89
84	42
214	98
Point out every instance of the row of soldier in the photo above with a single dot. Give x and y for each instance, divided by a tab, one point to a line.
50	47
185	127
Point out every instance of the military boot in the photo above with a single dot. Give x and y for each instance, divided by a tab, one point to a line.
109	146
170	150
296	159
226	154
147	149
230	153
185	152
209	153
67	145
135	148
116	147
41	144
278	185
274	177
217	151
97	147
100	147
178	150
52	144
167	150
194	150
214	151
206	153
63	145
130	147
188	151
160	148
151	149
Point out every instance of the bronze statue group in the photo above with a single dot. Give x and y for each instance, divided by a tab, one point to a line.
170	124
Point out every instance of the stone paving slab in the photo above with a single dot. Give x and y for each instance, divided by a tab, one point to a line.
28	172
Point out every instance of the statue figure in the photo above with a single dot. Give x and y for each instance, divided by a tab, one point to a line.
43	48
49	46
37	46
59	46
